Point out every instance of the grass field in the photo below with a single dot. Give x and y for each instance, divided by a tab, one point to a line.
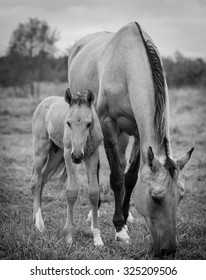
20	240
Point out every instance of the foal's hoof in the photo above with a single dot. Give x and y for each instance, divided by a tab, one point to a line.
40	227
69	240
39	223
122	235
98	242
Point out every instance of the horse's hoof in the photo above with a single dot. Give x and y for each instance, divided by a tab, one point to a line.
39	223
122	236
98	242
130	218
97	237
69	240
40	227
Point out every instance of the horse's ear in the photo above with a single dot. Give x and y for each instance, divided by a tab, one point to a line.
181	162
68	96
90	97
152	160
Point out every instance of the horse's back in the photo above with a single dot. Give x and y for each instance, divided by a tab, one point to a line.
83	62
106	59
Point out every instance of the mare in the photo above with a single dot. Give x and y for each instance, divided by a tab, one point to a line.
66	131
125	71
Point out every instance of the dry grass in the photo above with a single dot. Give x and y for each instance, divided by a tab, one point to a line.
20	240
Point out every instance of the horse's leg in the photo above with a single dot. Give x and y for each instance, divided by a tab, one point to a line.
131	177
111	144
123	141
41	151
71	194
92	173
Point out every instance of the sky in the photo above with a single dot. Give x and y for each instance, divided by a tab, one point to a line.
172	24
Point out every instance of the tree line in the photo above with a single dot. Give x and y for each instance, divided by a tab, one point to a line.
31	59
182	71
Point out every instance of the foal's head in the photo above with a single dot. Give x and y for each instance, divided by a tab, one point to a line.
79	121
160	187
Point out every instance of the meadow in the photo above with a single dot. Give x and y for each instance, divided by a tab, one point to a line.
20	240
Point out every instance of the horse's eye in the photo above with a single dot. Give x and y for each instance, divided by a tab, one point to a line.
89	124
68	123
156	200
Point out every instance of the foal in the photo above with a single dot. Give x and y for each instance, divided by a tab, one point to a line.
66	131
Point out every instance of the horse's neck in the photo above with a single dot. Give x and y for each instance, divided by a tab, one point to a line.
141	92
140	87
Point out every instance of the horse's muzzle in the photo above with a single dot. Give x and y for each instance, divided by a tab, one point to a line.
165	253
77	159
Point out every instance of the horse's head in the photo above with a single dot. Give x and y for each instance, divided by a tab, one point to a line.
160	187
79	121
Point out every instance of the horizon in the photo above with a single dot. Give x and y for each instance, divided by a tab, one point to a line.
173	25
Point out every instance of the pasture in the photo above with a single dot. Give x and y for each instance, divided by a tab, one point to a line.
20	240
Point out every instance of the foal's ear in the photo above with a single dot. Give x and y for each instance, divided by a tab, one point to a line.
152	160
184	159
90	97
68	96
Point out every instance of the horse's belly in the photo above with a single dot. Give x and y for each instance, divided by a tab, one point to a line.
127	125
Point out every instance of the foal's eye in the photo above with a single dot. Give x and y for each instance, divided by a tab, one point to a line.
156	200
89	124
68	123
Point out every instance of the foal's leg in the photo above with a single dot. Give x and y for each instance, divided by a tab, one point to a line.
92	173
89	217
41	151
71	194
111	144
131	177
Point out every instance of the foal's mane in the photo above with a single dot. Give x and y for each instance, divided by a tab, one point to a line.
159	87
80	98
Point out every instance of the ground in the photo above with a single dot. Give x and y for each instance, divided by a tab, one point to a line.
20	240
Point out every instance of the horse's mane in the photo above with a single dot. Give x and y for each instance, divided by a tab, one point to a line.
159	87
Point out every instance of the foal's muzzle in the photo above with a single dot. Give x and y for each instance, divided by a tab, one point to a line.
77	159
